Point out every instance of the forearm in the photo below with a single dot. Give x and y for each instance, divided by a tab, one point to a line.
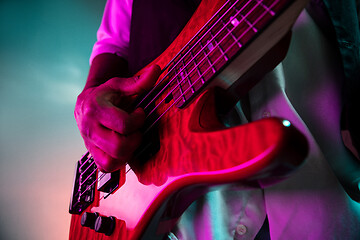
104	67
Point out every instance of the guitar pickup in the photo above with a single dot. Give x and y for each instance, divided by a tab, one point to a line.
108	182
83	192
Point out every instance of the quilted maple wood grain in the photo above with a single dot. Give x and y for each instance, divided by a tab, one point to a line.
183	151
242	152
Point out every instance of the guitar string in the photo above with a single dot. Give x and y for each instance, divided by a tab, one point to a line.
188	51
197	80
206	55
85	155
89	186
196	67
81	174
180	52
221	56
192	59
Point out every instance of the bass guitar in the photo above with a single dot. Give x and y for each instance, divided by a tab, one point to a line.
224	49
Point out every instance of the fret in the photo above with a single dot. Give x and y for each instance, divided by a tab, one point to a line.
221	35
275	6
244	18
217	43
212	51
185	75
235	24
208	59
219	47
198	54
231	33
252	26
268	9
197	68
179	86
253	16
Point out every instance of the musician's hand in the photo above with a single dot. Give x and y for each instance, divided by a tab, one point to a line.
110	133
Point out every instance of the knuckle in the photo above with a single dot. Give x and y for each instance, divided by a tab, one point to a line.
86	129
122	124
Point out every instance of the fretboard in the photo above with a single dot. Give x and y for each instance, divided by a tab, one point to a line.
229	32
231	29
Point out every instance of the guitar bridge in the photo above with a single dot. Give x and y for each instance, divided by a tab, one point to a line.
109	182
83	192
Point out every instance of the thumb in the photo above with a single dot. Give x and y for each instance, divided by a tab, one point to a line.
137	84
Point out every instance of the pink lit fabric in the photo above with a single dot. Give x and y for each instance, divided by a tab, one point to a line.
311	204
114	32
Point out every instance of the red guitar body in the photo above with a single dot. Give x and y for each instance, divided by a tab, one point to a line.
196	154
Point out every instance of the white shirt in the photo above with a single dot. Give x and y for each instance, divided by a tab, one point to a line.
311	204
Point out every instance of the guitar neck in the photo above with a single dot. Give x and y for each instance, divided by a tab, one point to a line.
230	31
234	29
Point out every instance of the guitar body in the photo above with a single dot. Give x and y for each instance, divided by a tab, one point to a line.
196	154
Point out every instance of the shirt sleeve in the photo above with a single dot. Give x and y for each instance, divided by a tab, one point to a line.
114	32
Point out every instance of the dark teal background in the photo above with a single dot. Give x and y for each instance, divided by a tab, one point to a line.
44	51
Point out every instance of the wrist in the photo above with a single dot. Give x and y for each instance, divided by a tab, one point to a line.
104	67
